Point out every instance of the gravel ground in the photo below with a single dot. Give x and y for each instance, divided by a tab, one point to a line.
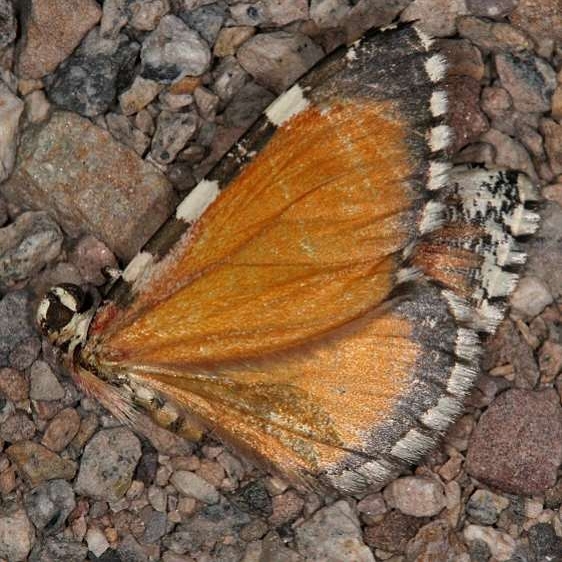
159	90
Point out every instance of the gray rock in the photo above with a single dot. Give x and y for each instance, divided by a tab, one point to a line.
173	51
435	17
207	103
17	428
500	544
207	20
8	23
27	245
247	105
269	13
416	495
493	36
484	507
229	77
49	504
193	486
44	385
124	132
139	95
173	130
329	13
490	8
530	298
155	525
529	80
277	59
143	15
16	533
436	542
25	353
108	464
15	323
68	168
332	534
545	544
11	108
60	550
88	81
131	551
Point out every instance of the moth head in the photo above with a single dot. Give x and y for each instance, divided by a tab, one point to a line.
64	313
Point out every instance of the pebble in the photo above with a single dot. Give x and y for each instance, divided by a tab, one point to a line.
530	298
130	550
550	361
16	533
51	31
277	59
332	534
43	383
108	464
327	14
14	385
91	256
11	108
173	130
286	508
491	36
207	103
173	51
24	354
436	542
37	107
517	444
207	20
416	496
501	545
49	505
464	59
122	210
8	24
157	498
124	132
61	550
155	525
139	94
372	507
491	8
17	427
61	430
88	81
15	323
194	486
529	80
27	245
96	541
553	143
542	18
37	464
484	507
436	17
229	77
465	116
230	38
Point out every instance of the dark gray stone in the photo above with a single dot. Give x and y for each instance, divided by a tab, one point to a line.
206	20
15	323
49	504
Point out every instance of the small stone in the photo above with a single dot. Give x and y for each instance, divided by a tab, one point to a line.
206	20
517	444
327	14
553	143
16	533
230	38
277	59
542	18
17	427
8	25
174	102
145	122
59	550
11	108
463	58
492	36
393	532
130	550
108	464
51	30
207	103
44	385
436	542
61	430
491	9
173	130
415	495
13	385
372	505
7	481
37	464
332	534
544	542
465	117
27	245
37	107
87	82
530	298
484	507
83	192
91	257
15	323
155	525
529	80
194	486
49	505
173	51
124	132
254	530
96	541
550	361
229	77
501	545
233	467
140	93
144	15
157	498
495	101
286	508
436	17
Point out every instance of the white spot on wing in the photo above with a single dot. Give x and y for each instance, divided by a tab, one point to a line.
66	298
440	137
287	105
438	175
425	39
433	217
193	206
438	103
137	265
436	67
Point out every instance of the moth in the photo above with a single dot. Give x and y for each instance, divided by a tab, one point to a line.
318	301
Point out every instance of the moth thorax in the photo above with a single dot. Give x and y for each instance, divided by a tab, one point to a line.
64	314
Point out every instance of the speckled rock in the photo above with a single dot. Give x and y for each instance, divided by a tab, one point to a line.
415	495
207	20
124	132
437	17
15	324
108	464
172	51
17	427
491	8
491	36
530	298
139	94
13	385
173	130
230	38
332	534
484	507
543	18
96	541
37	464
11	108
85	194
44	385
501	545
194	486
49	504
88	81
27	245
8	24
517	444
277	59
51	31
54	549
286	508
436	542
545	544
16	533
529	80
61	430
